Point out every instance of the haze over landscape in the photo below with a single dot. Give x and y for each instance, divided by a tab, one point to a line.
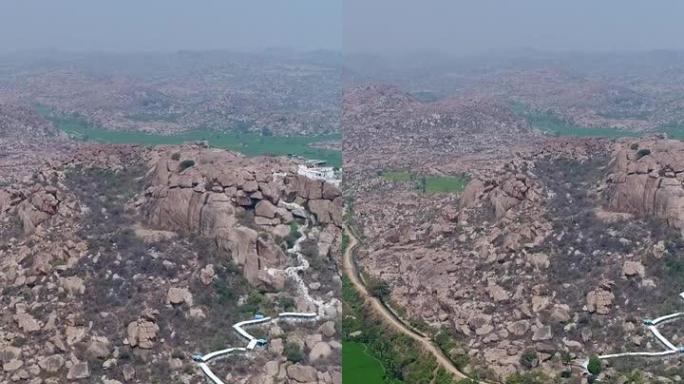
169	25
490	26
341	192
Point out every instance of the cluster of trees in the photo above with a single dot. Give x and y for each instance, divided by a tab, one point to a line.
402	359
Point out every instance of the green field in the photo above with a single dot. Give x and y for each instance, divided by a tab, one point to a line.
428	183
674	130
250	144
397	176
552	125
358	366
398	358
446	184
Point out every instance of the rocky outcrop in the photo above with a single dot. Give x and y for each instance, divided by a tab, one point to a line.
502	192
600	299
177	296
647	180
33	205
79	370
301	373
142	333
244	204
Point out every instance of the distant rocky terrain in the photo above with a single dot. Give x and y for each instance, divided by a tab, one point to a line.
26	141
388	129
631	91
281	93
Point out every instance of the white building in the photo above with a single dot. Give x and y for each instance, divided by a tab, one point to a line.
327	174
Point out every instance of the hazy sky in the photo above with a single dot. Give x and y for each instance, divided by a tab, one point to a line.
477	26
169	25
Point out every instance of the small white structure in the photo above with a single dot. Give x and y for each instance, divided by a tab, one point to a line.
327	174
203	361
293	272
652	325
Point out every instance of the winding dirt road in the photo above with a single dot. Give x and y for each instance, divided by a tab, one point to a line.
351	271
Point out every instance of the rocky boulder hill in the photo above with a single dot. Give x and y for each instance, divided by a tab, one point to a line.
550	255
386	128
386	112
246	206
117	263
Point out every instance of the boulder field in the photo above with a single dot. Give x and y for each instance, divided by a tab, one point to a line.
117	263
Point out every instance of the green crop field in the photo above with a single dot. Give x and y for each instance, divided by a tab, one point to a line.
399	176
427	183
552	125
250	144
446	184
674	130
358	366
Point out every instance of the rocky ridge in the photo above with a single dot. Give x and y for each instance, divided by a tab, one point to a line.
545	254
102	281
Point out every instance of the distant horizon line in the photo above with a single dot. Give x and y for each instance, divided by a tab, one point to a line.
390	53
165	51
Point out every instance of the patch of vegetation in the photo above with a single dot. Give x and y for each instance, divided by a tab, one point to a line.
444	377
445	184
105	193
625	114
446	341
293	352
225	293
286	303
429	183
309	249
233	138
674	130
359	366
635	377
595	366
467	381
292	237
643	152
397	176
528	378
551	124
529	359
379	288
151	117
185	164
345	242
403	361
257	302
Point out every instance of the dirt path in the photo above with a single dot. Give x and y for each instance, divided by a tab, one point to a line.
351	271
